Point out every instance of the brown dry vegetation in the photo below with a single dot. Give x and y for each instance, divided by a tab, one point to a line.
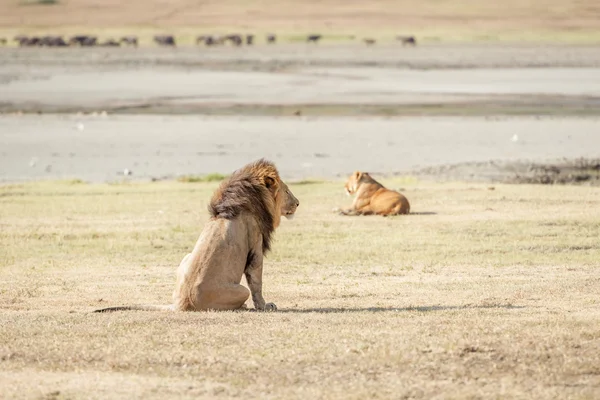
487	293
439	20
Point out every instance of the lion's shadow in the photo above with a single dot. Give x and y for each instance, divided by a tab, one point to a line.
331	310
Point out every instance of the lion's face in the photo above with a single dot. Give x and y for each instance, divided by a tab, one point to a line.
289	202
353	183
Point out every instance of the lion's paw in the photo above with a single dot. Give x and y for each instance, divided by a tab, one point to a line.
270	307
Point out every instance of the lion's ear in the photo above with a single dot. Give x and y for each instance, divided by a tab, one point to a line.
271	184
357	175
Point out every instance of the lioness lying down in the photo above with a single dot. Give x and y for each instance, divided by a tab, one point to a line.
373	198
245	211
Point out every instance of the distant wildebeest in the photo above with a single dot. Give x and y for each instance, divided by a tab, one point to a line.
407	40
271	38
369	41
201	39
110	43
83	40
52	41
249	40
235	39
25	41
210	40
165	40
19	38
3	41
129	41
313	38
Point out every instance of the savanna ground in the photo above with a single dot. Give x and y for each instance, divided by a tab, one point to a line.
487	292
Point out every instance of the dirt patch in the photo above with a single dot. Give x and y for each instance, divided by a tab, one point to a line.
579	171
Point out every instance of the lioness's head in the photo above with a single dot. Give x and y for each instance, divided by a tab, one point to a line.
355	180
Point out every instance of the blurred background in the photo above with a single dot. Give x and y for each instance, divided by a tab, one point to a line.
102	90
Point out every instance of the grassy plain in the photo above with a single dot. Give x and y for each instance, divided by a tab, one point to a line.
483	293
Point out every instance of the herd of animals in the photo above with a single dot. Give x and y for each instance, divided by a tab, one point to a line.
245	211
167	40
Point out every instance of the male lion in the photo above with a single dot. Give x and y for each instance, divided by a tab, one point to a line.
373	198
245	210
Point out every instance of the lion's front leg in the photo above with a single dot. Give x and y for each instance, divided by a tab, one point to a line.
253	273
359	207
361	210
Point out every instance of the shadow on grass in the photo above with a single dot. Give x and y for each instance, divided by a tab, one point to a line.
329	310
339	212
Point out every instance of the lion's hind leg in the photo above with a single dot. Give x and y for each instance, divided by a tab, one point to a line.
222	298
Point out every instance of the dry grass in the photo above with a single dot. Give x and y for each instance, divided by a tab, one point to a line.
548	20
486	294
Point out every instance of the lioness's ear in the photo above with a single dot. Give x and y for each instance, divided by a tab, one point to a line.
357	174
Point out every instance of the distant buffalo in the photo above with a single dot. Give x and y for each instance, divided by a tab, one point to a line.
83	40
3	41
407	40
249	40
129	41
271	38
165	40
313	38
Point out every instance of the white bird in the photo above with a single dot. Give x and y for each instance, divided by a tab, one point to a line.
80	126
515	138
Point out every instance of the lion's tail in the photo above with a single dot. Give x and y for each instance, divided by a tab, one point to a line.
143	307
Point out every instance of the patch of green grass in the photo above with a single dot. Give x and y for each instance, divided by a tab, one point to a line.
73	182
307	182
39	2
213	177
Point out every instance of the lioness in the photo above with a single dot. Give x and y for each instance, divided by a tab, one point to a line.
373	198
245	210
